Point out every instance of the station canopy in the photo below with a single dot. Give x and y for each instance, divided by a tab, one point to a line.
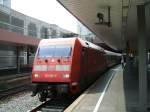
113	21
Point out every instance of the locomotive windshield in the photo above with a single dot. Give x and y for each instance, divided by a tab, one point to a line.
55	51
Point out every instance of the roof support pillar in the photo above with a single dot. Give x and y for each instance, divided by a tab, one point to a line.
28	55
142	58
18	59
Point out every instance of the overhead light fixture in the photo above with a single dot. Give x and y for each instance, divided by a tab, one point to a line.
100	16
101	20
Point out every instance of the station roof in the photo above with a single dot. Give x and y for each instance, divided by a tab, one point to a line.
119	26
17	39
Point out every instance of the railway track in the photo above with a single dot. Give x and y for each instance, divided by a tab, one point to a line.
13	76
54	105
14	90
13	85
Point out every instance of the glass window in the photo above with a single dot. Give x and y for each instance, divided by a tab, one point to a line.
4	17
17	22
32	30
55	51
44	32
46	51
64	51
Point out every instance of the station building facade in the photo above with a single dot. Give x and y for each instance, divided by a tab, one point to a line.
20	35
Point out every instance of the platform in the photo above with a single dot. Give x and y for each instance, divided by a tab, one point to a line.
114	91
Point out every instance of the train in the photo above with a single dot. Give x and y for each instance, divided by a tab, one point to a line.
68	66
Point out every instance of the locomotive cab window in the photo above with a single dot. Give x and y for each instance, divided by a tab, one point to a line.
46	51
55	51
62	51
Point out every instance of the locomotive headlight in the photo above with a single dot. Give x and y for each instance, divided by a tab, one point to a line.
66	75
36	75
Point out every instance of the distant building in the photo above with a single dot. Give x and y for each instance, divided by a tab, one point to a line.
14	21
6	3
84	33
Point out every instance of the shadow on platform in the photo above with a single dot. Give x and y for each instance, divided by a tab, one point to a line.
131	87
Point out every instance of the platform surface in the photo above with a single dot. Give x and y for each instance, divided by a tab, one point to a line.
114	91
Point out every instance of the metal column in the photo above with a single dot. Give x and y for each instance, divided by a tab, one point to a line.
28	54
142	58
18	59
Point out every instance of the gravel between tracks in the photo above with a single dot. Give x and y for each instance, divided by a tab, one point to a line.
21	102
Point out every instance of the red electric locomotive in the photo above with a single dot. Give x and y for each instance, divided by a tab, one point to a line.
66	66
